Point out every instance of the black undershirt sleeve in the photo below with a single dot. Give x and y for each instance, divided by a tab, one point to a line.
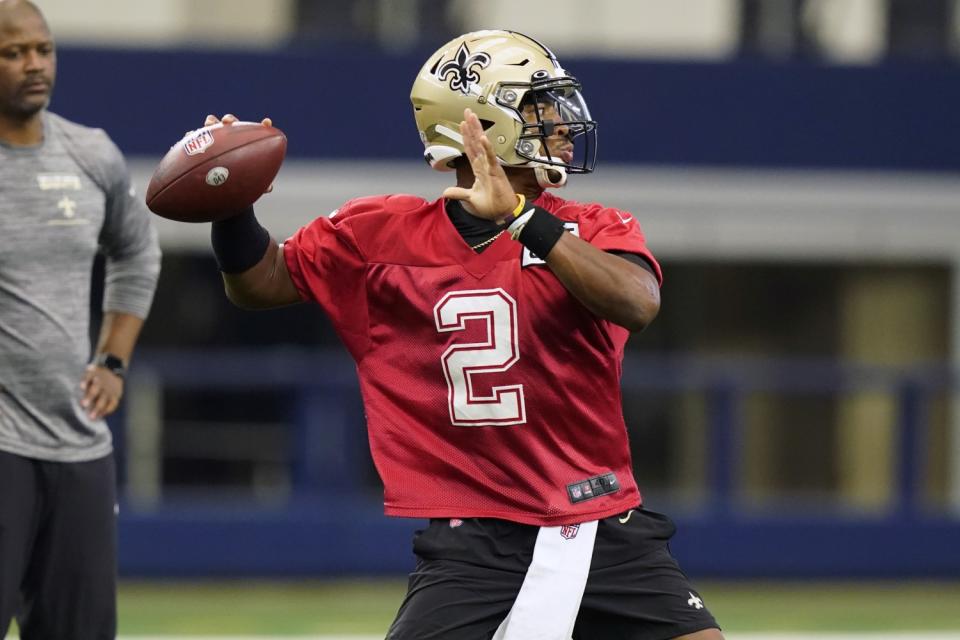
635	259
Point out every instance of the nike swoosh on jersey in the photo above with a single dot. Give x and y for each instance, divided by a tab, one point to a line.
626	518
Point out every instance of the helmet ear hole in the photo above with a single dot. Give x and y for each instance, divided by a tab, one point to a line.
486	124
550	177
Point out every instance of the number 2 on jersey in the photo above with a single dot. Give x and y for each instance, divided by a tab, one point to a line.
463	362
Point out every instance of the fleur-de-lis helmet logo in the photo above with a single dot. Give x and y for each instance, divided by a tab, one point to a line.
462	70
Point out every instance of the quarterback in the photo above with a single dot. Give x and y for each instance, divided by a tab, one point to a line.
488	328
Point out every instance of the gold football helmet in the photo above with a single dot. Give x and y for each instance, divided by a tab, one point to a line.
521	95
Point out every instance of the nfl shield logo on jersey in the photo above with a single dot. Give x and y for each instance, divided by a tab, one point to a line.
569	531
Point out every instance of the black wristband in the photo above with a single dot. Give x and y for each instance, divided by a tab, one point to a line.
239	242
541	232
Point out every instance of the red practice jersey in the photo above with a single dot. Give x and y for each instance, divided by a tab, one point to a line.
490	391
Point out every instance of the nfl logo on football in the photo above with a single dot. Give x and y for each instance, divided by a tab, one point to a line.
197	143
569	531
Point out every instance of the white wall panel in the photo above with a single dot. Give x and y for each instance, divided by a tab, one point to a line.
723	214
653	28
169	22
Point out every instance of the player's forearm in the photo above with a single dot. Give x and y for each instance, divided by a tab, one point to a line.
254	273
609	286
118	334
265	285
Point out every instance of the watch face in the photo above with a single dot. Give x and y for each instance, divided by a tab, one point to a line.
112	363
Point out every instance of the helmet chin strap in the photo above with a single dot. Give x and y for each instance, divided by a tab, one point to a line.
550	177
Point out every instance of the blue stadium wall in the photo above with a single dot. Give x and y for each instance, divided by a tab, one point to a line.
329	525
354	104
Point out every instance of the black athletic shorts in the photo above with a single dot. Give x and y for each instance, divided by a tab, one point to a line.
478	579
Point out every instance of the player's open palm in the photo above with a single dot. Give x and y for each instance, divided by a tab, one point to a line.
491	196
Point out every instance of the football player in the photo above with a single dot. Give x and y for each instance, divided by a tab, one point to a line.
488	327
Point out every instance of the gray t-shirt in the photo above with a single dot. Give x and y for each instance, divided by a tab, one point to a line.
60	202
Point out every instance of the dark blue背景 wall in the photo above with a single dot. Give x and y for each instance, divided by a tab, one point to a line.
354	103
332	522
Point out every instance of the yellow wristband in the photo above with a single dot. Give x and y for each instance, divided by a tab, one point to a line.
520	205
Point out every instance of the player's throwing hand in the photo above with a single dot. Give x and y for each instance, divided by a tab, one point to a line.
229	119
491	196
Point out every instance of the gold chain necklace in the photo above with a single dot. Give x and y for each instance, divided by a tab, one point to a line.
487	241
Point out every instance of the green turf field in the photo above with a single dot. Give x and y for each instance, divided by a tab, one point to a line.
367	607
359	607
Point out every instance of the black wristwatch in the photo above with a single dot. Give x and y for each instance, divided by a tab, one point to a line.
111	363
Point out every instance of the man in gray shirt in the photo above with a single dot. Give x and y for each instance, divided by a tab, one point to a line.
65	194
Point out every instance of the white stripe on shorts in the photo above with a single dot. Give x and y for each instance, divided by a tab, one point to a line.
548	601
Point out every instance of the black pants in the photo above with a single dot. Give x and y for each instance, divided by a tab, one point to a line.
469	574
58	548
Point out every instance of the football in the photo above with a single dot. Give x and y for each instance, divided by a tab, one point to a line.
214	172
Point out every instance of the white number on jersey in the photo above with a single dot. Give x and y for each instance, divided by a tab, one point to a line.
461	362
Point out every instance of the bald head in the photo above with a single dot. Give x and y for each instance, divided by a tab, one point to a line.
16	14
11	9
10	4
27	63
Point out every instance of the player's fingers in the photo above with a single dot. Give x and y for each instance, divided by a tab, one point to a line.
211	119
469	145
267	122
470	124
475	127
91	393
487	149
229	118
480	145
472	145
470	116
104	405
457	193
476	132
96	407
